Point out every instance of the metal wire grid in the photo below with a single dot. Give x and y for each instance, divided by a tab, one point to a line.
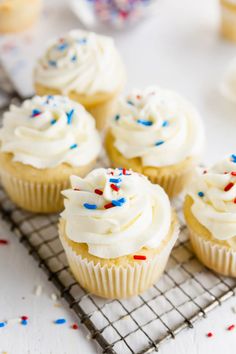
185	293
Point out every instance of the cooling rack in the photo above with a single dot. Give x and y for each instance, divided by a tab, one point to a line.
184	294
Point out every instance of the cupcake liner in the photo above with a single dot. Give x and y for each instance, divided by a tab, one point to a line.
33	196
214	256
117	281
228	20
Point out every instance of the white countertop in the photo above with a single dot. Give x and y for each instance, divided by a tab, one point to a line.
180	49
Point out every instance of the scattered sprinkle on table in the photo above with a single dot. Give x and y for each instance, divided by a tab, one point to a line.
3	241
139	257
209	334
74	326
233	158
24	318
24	322
231	327
2	324
60	321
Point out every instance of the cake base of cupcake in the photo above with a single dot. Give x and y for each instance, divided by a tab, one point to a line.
174	179
37	190
121	277
228	20
214	254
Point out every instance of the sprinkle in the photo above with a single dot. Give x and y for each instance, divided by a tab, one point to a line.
74	58
74	326
38	290
35	112
60	321
114	187
234	200
233	158
201	194
124	171
117	117
228	187
24	318
62	46
138	97
130	102
76	189
52	62
165	123
204	172
54	297
139	257
69	116
115	180
90	206
233	173
3	241
24	322
159	143
231	327
98	191
53	121
147	123
118	202
74	146
108	206
209	334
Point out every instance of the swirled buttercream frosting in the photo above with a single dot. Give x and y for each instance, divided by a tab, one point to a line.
116	212
158	126
45	132
81	61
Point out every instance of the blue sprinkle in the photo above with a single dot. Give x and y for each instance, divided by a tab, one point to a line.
233	158
117	117
62	46
115	180
35	112
52	62
145	122
90	206
74	58
60	321
130	102
165	123
118	202
82	40
2	324
24	322
158	143
74	146
70	116
53	121
201	194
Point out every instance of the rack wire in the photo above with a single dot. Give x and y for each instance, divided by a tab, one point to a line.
184	294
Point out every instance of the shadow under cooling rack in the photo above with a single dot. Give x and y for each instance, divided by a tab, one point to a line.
184	294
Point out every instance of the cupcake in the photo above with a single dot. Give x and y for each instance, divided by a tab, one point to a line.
117	230
157	133
210	213
42	143
17	15
86	67
228	19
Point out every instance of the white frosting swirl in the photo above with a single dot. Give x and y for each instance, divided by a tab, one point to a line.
83	62
142	219
214	199
158	126
47	131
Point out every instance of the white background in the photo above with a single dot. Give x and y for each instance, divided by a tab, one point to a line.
179	48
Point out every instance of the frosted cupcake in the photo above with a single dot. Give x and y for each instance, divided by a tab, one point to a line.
117	230
228	19
157	133
43	142
210	213
86	67
17	15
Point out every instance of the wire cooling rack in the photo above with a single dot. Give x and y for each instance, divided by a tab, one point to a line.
184	294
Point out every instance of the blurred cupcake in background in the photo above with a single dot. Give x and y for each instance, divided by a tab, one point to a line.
159	134
43	142
17	15
228	19
86	67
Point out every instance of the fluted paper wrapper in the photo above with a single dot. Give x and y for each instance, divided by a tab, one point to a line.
214	256
228	20
117	281
33	196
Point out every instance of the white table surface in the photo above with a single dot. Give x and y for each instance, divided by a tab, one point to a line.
180	49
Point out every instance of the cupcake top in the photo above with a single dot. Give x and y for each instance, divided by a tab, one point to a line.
45	132
158	126
116	212
214	198
81	61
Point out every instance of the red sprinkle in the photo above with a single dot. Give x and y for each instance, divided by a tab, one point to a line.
209	334
98	191
231	327
114	187
228	187
234	200
24	318
74	326
138	97
233	173
124	171
108	206
139	257
3	242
